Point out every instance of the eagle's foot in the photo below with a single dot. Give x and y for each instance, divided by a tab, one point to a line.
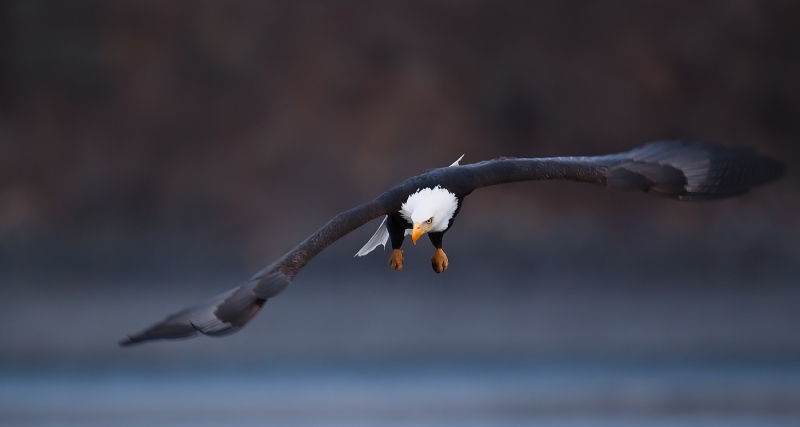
439	261
396	259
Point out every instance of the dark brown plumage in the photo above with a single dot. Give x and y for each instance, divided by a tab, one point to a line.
674	169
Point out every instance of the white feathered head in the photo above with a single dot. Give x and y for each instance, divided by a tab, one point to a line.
429	210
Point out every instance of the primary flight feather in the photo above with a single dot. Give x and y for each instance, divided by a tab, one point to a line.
430	202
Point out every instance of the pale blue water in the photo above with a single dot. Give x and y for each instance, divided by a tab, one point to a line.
413	394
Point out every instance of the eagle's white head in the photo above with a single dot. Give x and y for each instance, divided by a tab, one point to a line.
429	210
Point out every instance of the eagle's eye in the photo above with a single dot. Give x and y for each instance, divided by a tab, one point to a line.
430	220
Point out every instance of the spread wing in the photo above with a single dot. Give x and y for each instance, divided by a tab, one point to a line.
228	312
674	169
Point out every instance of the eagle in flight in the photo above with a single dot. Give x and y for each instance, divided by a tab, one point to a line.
429	203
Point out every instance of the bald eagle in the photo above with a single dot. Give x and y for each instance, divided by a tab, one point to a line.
428	204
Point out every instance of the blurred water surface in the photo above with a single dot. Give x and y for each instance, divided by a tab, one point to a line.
577	393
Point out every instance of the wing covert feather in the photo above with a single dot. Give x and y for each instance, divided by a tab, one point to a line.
676	169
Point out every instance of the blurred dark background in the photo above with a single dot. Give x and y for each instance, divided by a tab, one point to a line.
155	153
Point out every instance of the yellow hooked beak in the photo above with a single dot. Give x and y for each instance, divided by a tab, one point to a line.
416	232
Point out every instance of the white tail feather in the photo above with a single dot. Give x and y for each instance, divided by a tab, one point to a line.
380	237
456	162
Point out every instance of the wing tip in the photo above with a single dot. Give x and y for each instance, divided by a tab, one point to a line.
132	340
690	171
157	332
127	342
221	315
